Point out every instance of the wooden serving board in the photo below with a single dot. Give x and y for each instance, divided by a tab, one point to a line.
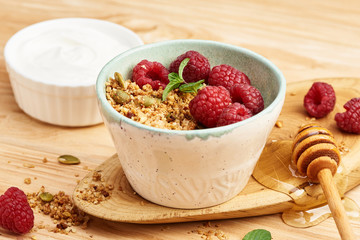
125	205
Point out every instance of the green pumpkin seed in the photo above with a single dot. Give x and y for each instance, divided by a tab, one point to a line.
149	101
68	159
121	97
46	197
119	79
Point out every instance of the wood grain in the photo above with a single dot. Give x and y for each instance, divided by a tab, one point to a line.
305	39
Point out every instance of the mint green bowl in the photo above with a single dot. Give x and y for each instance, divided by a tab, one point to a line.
194	168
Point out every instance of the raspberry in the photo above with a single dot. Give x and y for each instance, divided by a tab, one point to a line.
349	121
320	99
208	104
226	76
153	73
15	212
197	68
233	113
248	95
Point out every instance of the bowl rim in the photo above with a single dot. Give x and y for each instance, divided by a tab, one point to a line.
101	96
9	46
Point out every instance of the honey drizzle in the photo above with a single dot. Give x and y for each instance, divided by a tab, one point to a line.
276	171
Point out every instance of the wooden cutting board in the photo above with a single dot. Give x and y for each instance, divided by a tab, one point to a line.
124	205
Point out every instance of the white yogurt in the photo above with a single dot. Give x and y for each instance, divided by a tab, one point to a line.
53	67
69	53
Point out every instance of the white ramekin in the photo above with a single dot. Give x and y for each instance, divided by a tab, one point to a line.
67	103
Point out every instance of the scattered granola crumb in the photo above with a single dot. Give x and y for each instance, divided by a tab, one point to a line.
343	148
312	119
97	191
292	94
27	165
44	160
27	180
96	176
61	209
33	238
9	161
207	231
77	175
279	124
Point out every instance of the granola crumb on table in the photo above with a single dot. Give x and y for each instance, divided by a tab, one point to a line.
207	231
61	209
97	191
173	114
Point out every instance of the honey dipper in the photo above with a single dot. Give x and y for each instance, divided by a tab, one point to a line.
316	155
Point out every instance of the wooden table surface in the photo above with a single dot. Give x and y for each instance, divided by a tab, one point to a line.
305	39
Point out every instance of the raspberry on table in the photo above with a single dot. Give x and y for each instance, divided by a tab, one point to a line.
226	76
208	104
248	95
320	99
233	113
349	121
197	68
153	73
16	214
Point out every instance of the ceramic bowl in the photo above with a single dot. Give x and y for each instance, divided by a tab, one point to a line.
193	168
53	67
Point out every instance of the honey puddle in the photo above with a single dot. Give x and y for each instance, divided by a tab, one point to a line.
275	170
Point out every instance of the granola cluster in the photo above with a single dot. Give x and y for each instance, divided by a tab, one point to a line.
144	105
61	209
97	191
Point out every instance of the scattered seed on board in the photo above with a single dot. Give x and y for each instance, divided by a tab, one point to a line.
46	196
68	159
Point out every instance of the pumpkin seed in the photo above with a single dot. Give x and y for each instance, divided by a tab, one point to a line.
46	197
149	101
121	97
68	159
119	79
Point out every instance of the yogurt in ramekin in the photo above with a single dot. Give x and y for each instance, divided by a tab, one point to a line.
53	66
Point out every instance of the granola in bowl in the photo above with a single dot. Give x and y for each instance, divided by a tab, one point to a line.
144	104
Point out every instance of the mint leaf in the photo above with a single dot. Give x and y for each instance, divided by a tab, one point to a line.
176	81
258	234
171	86
174	77
191	87
182	66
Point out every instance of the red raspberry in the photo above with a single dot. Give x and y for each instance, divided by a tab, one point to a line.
153	73
233	113
349	121
208	104
248	95
15	212
320	99
197	68
226	76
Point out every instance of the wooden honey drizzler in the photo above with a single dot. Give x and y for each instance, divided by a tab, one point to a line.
315	154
